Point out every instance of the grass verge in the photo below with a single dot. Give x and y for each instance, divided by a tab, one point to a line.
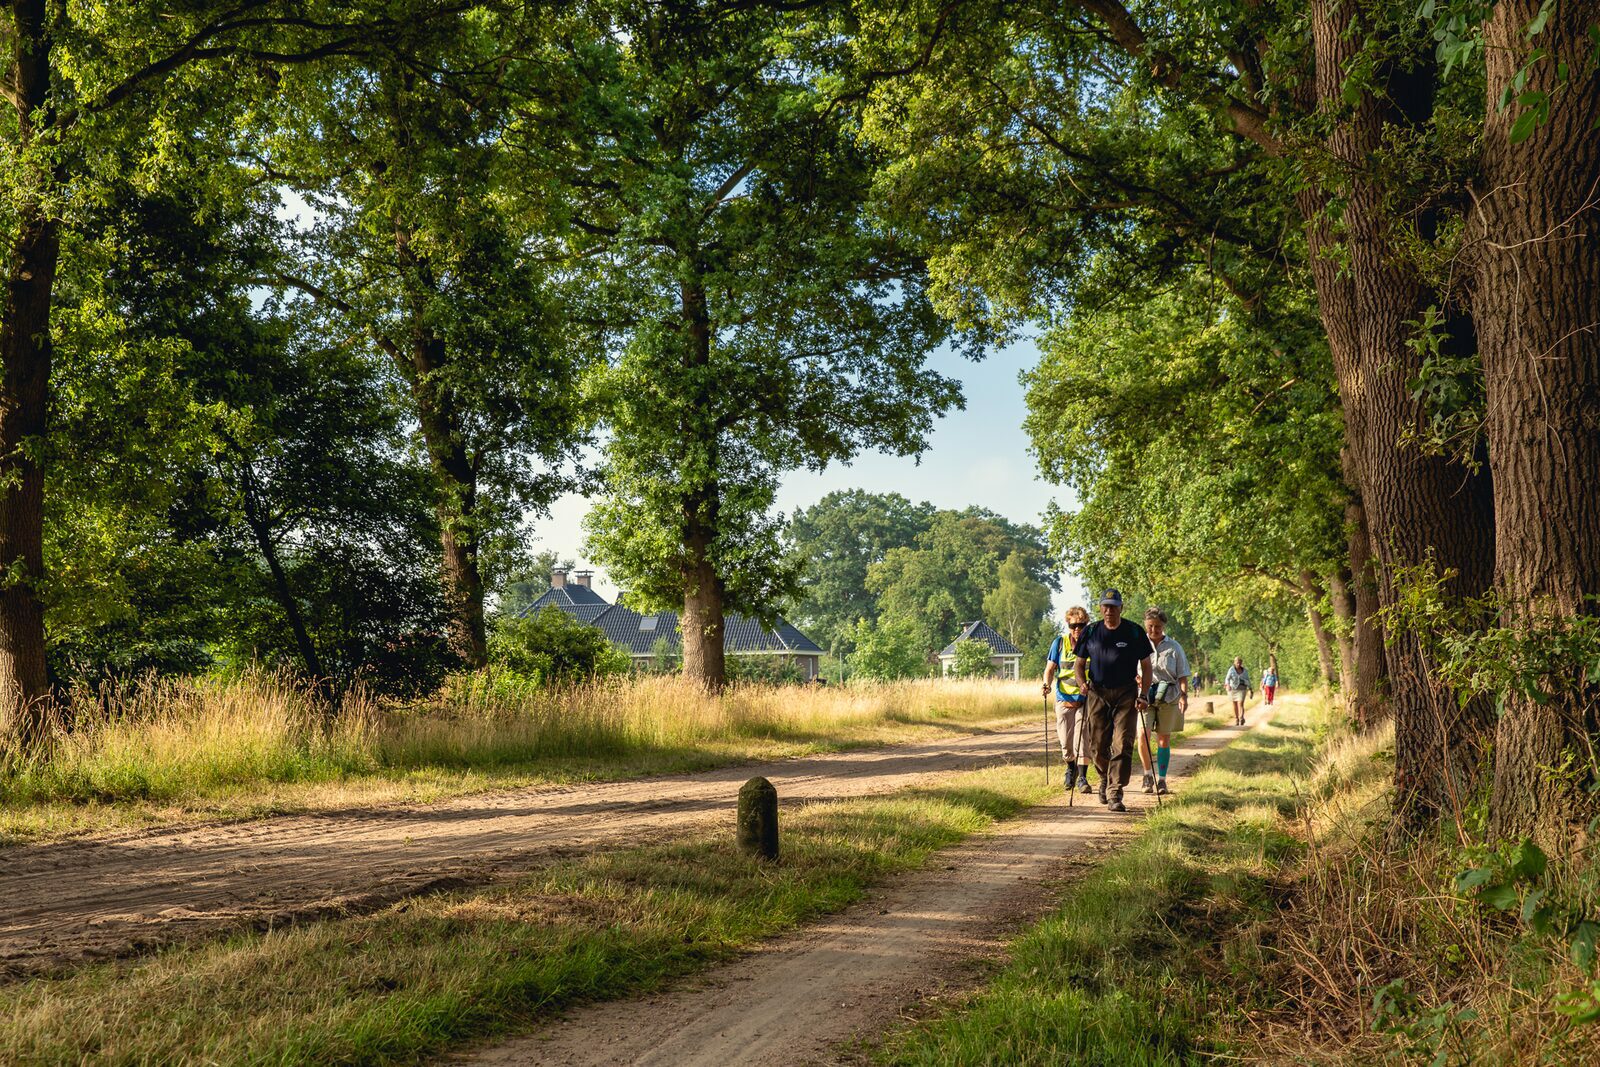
1265	916
412	979
191	749
1122	972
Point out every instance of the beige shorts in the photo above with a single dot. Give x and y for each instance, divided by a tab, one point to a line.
1163	718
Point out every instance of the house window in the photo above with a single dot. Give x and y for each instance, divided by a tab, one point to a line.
647	623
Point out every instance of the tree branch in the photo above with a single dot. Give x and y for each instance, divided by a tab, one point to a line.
1246	121
338	303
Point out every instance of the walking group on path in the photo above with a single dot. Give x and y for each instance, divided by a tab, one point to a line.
1113	680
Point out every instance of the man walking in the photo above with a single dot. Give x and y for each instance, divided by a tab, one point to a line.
1071	721
1111	656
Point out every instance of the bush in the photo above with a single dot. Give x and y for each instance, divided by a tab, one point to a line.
972	660
554	647
773	670
886	650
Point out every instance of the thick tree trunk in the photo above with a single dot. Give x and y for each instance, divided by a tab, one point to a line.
1313	597
34	247
704	654
1419	508
1536	304
457	488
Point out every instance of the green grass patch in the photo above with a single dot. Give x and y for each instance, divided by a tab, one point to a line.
424	974
1126	972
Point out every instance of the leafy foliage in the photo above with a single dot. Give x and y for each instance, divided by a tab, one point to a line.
1017	603
763	320
972	660
551	647
942	580
888	649
839	538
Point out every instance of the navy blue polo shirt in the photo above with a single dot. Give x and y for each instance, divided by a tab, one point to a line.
1114	655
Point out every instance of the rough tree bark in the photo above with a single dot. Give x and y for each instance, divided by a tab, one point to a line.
1417	507
702	621
1536	306
35	245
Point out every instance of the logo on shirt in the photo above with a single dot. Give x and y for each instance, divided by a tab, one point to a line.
1122	644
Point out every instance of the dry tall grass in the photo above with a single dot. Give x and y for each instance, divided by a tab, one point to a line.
176	742
1362	915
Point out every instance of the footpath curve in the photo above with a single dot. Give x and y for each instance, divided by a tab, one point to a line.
115	895
800	998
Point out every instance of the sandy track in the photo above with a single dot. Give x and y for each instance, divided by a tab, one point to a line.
92	898
800	999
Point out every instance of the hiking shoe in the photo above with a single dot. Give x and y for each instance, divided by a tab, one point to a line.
1103	799
1149	783
1083	781
1118	805
1069	779
1161	787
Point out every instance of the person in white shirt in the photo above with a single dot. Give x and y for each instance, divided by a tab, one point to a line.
1168	700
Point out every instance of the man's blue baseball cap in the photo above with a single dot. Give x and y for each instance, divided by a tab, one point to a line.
1112	597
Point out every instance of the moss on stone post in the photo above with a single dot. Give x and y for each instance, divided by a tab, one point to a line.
758	818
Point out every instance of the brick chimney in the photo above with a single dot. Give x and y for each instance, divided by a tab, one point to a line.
558	578
583	578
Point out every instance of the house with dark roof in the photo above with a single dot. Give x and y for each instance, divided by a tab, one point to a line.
1006	657
643	637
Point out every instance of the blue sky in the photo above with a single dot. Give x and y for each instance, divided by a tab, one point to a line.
976	456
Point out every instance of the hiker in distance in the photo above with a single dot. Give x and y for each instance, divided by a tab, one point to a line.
1167	700
1072	723
1237	683
1110	659
1269	680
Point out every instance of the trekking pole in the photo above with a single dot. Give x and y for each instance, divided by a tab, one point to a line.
1047	739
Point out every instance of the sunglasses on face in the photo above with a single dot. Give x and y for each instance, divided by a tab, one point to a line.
1075	626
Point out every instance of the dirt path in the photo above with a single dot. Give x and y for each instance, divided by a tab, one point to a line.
98	897
799	999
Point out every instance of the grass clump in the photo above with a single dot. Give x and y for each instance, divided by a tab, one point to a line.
414	978
179	749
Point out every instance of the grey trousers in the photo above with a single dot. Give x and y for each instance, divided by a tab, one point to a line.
1113	725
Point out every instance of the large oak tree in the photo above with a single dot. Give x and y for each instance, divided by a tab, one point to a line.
762	319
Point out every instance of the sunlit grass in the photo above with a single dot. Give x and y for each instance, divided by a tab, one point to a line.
217	748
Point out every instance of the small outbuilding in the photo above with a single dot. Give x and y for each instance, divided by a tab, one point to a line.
1003	655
